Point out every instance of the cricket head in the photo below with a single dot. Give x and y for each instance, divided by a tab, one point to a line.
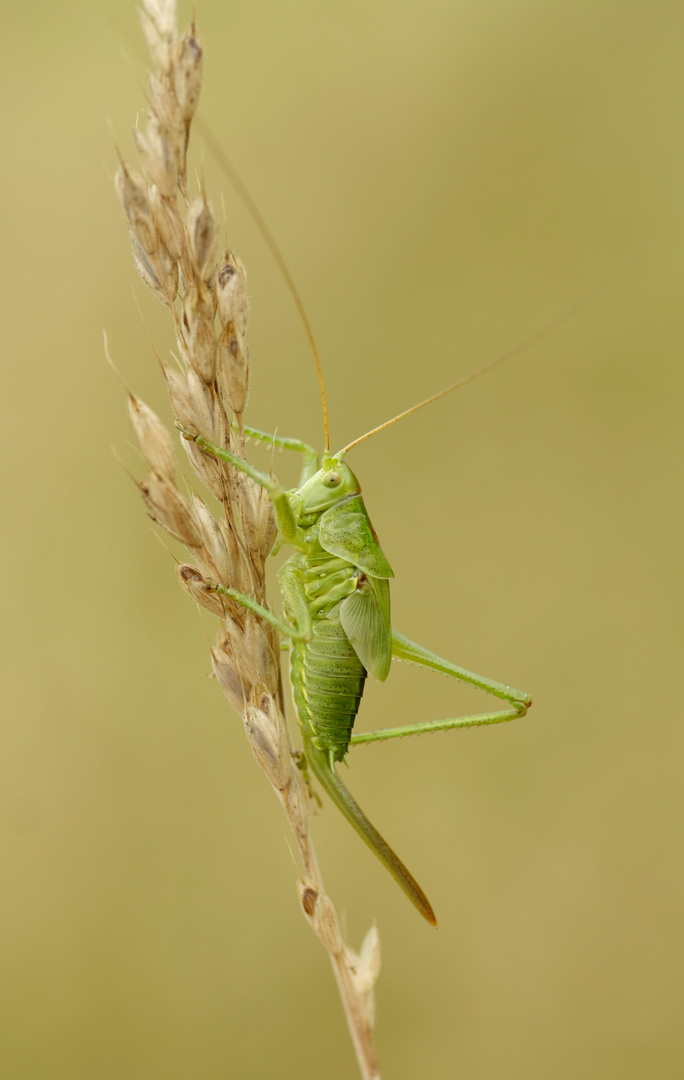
333	481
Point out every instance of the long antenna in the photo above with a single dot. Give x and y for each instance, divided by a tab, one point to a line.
242	190
526	343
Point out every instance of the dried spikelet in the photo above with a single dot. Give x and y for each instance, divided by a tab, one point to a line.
167	272
258	519
179	394
164	107
169	223
159	272
367	966
232	367
268	737
202	350
168	508
200	304
298	797
159	157
244	652
210	472
228	673
163	16
198	315
260	646
195	584
326	924
213	473
148	273
153	437
213	554
201	407
132	191
203	236
233	550
187	72
158	45
231	286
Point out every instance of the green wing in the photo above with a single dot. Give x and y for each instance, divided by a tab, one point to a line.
345	530
365	618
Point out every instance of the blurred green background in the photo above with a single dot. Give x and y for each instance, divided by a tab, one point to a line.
444	178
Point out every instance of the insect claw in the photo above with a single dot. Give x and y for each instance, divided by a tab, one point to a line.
187	433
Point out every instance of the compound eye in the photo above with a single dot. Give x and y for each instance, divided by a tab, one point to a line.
332	479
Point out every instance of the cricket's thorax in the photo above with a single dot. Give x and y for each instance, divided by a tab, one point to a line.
327	676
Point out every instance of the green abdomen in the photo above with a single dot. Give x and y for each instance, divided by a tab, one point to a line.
327	682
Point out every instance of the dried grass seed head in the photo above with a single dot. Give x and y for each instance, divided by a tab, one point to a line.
247	658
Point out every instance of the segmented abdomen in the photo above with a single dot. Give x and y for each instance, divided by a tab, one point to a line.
327	683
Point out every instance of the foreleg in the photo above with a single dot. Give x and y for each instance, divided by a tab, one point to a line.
289	531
